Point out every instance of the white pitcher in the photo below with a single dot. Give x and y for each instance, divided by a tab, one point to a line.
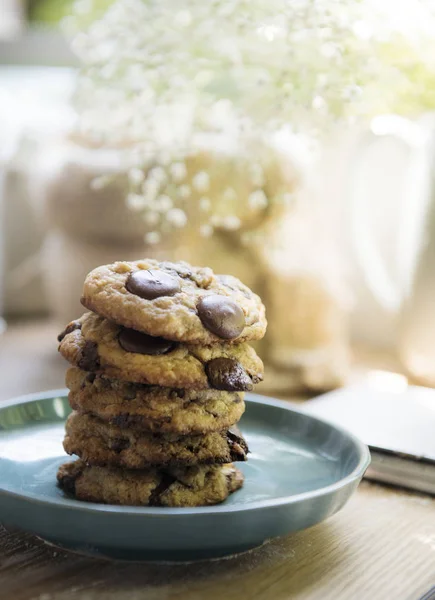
392	174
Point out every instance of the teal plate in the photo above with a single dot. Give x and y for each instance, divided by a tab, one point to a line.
300	471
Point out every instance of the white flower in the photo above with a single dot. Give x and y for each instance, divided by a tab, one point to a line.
318	103
257	199
351	93
158	79
229	222
164	203
136	202
153	237
150	188
178	171
141	56
176	217
136	176
158	174
206	230
98	183
201	181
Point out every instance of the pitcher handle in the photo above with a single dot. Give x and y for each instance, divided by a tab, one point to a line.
381	283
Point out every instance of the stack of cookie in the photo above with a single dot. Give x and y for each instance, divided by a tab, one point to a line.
159	371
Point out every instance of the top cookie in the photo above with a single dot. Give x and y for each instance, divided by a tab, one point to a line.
175	301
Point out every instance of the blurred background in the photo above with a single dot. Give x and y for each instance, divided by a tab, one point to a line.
288	143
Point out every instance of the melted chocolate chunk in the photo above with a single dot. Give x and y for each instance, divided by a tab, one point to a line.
152	284
68	329
89	359
227	374
165	483
68	484
131	340
237	443
90	378
221	315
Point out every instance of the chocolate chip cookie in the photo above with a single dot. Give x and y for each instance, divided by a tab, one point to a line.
100	443
93	343
192	486
175	301
153	408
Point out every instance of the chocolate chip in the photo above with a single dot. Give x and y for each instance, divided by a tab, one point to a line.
152	284
119	444
68	483
177	393
166	482
237	443
141	343
130	392
145	387
89	379
89	359
227	374
221	316
122	420
68	329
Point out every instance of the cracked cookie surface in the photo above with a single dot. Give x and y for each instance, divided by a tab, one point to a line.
99	443
93	343
192	486
175	301
153	408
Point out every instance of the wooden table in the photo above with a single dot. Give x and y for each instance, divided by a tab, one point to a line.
381	546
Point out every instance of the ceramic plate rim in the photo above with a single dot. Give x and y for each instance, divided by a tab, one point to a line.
357	473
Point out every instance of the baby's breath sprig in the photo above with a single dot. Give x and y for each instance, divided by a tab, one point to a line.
198	93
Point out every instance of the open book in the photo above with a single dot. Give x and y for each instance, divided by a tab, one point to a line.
395	420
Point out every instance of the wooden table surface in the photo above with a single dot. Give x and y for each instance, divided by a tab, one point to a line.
381	546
